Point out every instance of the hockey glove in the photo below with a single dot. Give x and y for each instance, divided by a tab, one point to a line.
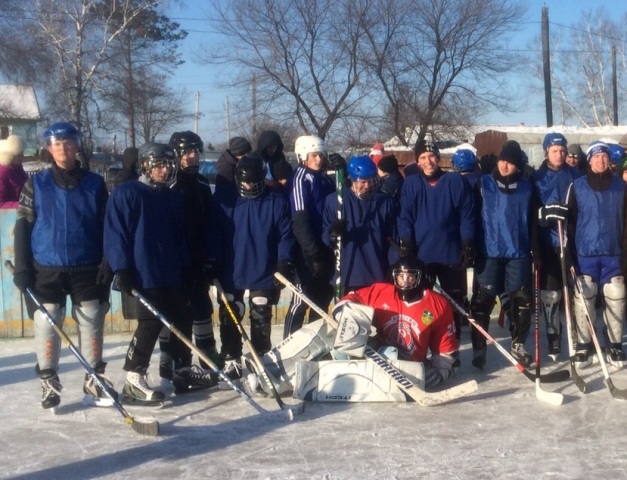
407	247
337	229
322	267
24	279
124	281
287	270
439	369
105	274
337	162
552	212
468	253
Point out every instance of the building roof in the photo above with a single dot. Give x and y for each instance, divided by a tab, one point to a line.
18	102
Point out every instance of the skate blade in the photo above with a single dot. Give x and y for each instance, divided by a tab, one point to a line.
91	401
126	400
188	390
554	356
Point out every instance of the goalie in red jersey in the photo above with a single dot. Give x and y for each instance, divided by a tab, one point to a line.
413	318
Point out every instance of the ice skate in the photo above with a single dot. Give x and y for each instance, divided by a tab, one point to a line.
555	346
479	357
94	395
189	379
233	368
583	355
51	390
521	355
166	366
137	391
615	356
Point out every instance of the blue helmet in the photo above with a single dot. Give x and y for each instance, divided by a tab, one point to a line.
554	138
617	154
62	131
361	168
464	160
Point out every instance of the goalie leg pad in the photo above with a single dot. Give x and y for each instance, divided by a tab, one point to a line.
311	342
353	381
354	322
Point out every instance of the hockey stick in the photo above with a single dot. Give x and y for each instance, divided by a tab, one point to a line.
548	397
339	186
579	382
284	414
295	408
540	393
617	393
145	428
411	391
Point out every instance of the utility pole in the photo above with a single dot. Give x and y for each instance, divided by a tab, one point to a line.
254	106
196	114
546	61
228	120
614	87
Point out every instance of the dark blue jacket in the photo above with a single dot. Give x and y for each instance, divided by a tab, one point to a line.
144	232
370	224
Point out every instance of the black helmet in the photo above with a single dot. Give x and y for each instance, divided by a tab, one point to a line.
152	155
411	285
250	170
182	142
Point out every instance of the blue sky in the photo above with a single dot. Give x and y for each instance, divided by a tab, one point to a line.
212	105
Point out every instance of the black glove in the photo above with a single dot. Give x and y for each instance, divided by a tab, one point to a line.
552	212
337	229
337	162
124	281
211	269
406	248
322	267
105	274
24	279
287	270
468	253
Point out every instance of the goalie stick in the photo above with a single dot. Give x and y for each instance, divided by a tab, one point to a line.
283	414
142	427
552	398
295	408
579	382
617	393
411	391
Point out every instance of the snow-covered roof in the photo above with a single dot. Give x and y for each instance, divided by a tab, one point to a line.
18	102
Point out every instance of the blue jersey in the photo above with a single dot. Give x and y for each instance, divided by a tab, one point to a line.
369	225
251	236
144	232
437	217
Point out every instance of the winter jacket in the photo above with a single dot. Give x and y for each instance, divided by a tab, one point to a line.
12	180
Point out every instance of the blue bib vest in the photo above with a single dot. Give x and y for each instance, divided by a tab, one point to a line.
67	230
600	218
505	219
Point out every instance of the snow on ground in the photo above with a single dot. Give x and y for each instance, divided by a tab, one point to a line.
501	431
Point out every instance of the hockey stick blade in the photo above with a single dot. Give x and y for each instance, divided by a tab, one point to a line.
407	386
145	428
551	377
579	382
616	393
552	398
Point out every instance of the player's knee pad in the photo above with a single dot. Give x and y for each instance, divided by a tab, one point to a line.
47	342
521	314
90	313
482	303
550	302
311	342
584	303
614	313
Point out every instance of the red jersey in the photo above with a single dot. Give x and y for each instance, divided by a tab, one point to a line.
413	328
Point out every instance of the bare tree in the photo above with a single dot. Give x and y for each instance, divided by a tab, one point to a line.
581	68
304	55
440	62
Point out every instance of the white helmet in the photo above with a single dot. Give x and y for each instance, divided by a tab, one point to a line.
309	144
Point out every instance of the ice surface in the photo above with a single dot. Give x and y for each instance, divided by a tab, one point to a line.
502	431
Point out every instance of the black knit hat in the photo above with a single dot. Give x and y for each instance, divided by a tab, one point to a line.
388	164
239	146
512	153
423	146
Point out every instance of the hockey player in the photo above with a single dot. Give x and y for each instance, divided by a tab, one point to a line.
596	226
506	238
225	176
270	148
390	178
464	161
368	218
197	206
253	237
146	247
58	252
437	218
551	182
307	190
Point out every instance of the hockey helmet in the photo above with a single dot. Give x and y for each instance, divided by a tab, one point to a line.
617	154
62	131
408	275
156	155
464	160
309	144
249	176
183	142
552	139
363	173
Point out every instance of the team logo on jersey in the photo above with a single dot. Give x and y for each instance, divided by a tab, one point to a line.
427	317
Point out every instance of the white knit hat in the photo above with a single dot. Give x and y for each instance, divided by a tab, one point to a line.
10	148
